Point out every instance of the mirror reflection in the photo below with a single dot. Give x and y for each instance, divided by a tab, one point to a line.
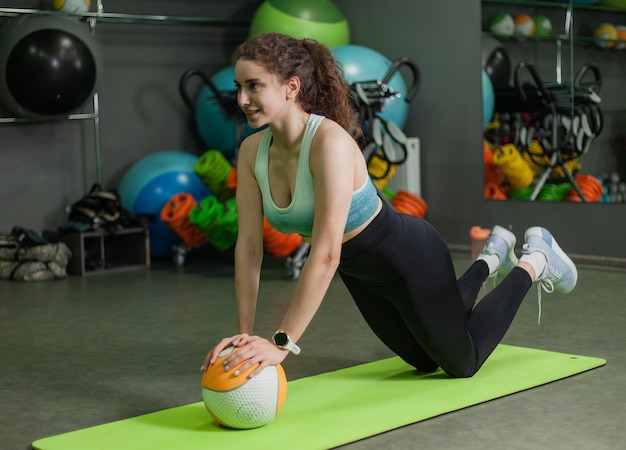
553	102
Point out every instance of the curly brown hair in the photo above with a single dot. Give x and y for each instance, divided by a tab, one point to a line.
323	88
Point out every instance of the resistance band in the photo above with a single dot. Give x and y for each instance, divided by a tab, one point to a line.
508	159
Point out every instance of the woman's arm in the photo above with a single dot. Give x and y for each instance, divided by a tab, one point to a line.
249	247
332	160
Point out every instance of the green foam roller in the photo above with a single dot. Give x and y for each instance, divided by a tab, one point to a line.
213	169
217	222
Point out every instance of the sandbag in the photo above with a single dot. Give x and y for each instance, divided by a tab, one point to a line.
26	256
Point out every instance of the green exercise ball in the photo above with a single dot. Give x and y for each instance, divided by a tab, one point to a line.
314	19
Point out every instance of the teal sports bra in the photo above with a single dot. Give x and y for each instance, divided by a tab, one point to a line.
297	217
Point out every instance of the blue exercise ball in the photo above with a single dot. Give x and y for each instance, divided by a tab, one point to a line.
361	64
489	98
151	182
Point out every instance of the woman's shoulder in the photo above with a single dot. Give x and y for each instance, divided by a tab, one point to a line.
330	132
329	128
250	145
254	138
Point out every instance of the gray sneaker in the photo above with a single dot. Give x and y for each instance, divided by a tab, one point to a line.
560	273
501	242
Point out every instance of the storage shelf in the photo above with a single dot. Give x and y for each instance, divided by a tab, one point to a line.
555	5
572	39
550	38
567	37
97	252
110	17
133	18
80	116
520	38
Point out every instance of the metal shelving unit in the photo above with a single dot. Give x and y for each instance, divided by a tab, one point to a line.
572	36
567	36
91	19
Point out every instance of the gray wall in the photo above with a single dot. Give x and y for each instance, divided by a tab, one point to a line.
44	167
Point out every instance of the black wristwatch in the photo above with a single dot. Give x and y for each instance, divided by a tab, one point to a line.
282	340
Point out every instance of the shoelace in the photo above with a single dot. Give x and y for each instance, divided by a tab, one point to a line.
547	285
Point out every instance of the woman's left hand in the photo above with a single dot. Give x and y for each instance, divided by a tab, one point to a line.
256	350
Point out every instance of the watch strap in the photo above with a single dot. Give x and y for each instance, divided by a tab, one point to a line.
282	340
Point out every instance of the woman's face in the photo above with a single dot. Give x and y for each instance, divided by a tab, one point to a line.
260	94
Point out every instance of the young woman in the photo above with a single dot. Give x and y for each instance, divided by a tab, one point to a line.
307	175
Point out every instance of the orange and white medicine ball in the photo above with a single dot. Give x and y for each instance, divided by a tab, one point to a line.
621	37
239	401
524	25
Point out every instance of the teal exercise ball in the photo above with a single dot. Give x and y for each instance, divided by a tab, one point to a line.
489	99
360	64
218	130
314	19
148	185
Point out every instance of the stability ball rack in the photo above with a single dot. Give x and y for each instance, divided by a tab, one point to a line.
107	17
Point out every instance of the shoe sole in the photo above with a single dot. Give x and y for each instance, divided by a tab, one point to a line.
546	236
509	238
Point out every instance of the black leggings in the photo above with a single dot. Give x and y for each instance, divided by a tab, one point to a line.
400	273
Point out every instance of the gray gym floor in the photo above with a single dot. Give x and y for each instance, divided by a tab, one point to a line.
89	350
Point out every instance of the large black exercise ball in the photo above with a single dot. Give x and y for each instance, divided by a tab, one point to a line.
496	62
49	66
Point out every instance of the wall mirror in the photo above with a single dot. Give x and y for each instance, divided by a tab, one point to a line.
554	106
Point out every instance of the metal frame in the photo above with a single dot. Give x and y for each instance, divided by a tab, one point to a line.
91	18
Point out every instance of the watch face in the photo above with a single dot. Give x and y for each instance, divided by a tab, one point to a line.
281	339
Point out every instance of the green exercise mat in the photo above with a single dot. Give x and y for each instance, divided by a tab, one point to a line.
335	408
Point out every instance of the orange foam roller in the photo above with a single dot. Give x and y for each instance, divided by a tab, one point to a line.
175	214
279	244
409	203
231	180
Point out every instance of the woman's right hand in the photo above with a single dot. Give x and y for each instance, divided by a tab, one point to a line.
238	340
